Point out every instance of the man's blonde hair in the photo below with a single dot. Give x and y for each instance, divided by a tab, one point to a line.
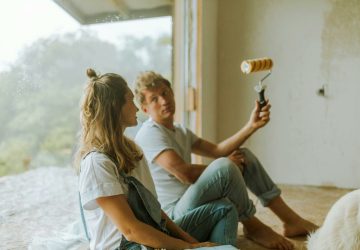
101	126
148	80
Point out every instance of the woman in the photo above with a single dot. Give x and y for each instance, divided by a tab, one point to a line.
107	162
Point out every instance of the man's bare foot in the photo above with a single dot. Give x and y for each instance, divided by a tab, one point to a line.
294	224
258	232
299	228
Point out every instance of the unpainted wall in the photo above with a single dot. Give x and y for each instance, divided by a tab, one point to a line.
311	139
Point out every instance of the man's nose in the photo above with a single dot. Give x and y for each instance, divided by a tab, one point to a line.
163	100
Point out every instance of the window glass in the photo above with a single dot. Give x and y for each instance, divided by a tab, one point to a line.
44	57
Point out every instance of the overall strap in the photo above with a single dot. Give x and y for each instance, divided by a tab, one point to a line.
120	172
123	175
83	219
82	210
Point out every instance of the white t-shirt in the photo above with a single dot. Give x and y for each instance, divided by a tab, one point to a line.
99	178
154	138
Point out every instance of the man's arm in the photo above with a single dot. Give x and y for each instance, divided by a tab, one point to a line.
175	165
258	119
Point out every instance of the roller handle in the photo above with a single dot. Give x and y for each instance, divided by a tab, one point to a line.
262	100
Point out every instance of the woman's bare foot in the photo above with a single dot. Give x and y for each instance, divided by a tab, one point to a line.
299	228
258	232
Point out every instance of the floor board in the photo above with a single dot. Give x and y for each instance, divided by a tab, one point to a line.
312	203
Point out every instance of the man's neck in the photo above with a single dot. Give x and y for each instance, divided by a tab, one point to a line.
168	123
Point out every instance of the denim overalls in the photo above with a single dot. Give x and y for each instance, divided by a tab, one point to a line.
145	207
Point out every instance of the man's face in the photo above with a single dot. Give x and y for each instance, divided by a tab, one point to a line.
159	103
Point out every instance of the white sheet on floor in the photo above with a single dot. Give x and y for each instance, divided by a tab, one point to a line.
72	238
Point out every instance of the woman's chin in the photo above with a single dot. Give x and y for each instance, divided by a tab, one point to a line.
136	122
133	124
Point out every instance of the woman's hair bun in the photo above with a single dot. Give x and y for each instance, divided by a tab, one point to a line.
91	73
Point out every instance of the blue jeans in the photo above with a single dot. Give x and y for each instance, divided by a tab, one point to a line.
215	221
222	180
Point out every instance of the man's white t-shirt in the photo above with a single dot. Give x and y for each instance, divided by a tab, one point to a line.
154	138
99	177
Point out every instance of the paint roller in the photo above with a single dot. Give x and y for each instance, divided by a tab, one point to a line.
256	65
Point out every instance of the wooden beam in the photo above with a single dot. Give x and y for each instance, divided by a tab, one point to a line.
122	8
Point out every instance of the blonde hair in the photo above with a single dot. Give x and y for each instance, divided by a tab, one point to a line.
100	117
148	80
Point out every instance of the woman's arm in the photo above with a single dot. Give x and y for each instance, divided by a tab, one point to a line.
120	213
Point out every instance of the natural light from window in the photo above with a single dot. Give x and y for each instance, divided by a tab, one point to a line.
44	54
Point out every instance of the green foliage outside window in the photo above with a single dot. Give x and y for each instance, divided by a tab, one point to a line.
40	93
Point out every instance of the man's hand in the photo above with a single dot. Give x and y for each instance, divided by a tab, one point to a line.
259	117
238	158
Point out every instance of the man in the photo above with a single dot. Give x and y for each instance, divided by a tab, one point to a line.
182	186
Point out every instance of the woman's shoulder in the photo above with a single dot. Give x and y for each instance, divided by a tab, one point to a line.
139	165
96	159
95	155
141	169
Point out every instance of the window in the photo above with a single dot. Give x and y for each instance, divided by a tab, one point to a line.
44	57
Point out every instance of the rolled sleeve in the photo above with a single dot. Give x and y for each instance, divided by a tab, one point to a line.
153	142
193	137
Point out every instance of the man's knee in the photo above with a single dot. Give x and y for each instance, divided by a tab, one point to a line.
246	152
225	166
224	203
250	158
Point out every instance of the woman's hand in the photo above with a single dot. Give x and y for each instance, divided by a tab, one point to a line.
188	238
203	244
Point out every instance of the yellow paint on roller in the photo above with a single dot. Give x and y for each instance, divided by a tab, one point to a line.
255	65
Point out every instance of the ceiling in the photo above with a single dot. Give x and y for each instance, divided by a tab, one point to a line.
103	11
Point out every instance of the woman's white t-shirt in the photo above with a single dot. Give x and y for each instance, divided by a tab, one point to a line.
99	177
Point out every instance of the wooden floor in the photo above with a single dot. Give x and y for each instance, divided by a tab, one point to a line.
312	203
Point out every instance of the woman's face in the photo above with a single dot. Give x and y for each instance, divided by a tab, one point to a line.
128	111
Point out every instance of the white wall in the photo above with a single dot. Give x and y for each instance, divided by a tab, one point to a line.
208	96
310	139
